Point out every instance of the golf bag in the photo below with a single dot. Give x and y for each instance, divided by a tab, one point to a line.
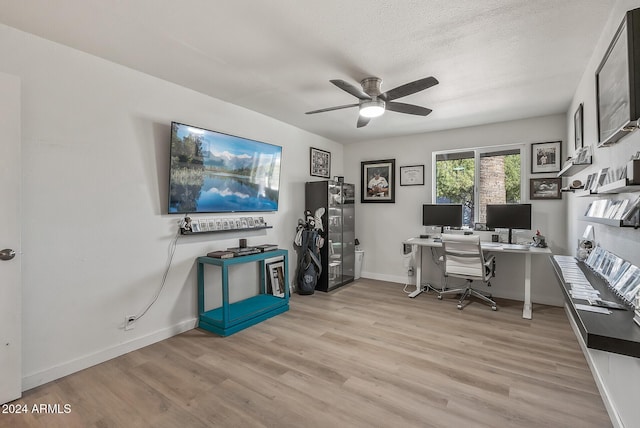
309	266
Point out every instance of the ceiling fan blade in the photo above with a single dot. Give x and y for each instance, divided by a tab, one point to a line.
408	108
362	121
353	90
322	110
409	88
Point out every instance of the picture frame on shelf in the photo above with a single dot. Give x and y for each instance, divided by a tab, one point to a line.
378	181
578	127
588	181
545	188
546	157
600	178
320	163
275	278
412	175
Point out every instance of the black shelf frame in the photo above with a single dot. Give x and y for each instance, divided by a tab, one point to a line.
617	332
244	229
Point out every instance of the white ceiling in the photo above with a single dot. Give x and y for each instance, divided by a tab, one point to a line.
496	60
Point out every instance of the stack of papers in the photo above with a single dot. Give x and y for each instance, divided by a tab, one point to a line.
579	285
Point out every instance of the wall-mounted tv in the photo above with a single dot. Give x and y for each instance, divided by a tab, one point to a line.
212	172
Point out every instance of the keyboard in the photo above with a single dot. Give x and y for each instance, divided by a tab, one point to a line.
491	245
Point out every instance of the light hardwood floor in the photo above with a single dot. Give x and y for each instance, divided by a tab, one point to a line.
362	356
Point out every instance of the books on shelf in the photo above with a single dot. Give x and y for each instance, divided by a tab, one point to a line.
245	251
221	254
267	247
631	210
614	210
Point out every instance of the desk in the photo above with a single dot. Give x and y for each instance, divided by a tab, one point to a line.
419	243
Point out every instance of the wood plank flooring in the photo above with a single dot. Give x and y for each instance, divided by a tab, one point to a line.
365	355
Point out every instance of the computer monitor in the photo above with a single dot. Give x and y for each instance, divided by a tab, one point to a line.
443	215
509	216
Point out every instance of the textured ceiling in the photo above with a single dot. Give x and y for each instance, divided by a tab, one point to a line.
496	60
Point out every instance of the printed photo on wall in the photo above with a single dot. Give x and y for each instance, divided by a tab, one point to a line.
546	157
320	163
545	188
378	181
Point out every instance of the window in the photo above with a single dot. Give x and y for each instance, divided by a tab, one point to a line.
475	178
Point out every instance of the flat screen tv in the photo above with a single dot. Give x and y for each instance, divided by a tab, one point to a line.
212	172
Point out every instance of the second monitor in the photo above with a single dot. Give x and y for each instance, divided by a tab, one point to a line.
442	215
509	216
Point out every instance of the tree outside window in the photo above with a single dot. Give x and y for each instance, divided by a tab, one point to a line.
498	180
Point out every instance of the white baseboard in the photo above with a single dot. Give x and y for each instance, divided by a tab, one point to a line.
389	278
39	378
602	388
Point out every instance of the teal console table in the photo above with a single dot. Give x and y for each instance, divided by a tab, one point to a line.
233	317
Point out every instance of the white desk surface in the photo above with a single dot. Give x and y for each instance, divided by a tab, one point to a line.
486	245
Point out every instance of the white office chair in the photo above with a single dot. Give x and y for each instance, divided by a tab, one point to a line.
463	258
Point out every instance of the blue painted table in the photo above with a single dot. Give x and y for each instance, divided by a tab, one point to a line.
233	317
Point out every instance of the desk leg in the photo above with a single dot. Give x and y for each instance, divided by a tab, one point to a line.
419	289
527	310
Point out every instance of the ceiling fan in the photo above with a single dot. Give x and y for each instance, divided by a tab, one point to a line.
373	102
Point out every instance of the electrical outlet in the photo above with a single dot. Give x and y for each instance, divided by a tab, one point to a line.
410	271
129	322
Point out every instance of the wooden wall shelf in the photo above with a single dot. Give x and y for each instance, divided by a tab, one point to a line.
620	186
573	168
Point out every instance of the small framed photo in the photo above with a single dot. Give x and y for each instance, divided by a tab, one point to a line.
275	278
378	181
250	222
412	175
587	183
320	163
578	127
599	179
545	188
546	157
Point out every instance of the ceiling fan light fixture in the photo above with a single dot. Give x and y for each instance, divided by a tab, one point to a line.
372	108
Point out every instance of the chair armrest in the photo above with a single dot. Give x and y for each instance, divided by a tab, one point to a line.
490	266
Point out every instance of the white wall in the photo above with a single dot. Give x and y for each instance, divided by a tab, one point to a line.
382	227
95	230
618	376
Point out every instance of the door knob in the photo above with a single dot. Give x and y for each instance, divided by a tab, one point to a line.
7	254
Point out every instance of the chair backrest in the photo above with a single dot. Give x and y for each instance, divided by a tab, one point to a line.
463	256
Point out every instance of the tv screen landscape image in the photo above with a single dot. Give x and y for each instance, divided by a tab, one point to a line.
212	172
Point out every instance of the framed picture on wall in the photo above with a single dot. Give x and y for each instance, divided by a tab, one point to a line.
412	175
578	128
617	78
546	157
545	188
320	163
378	181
